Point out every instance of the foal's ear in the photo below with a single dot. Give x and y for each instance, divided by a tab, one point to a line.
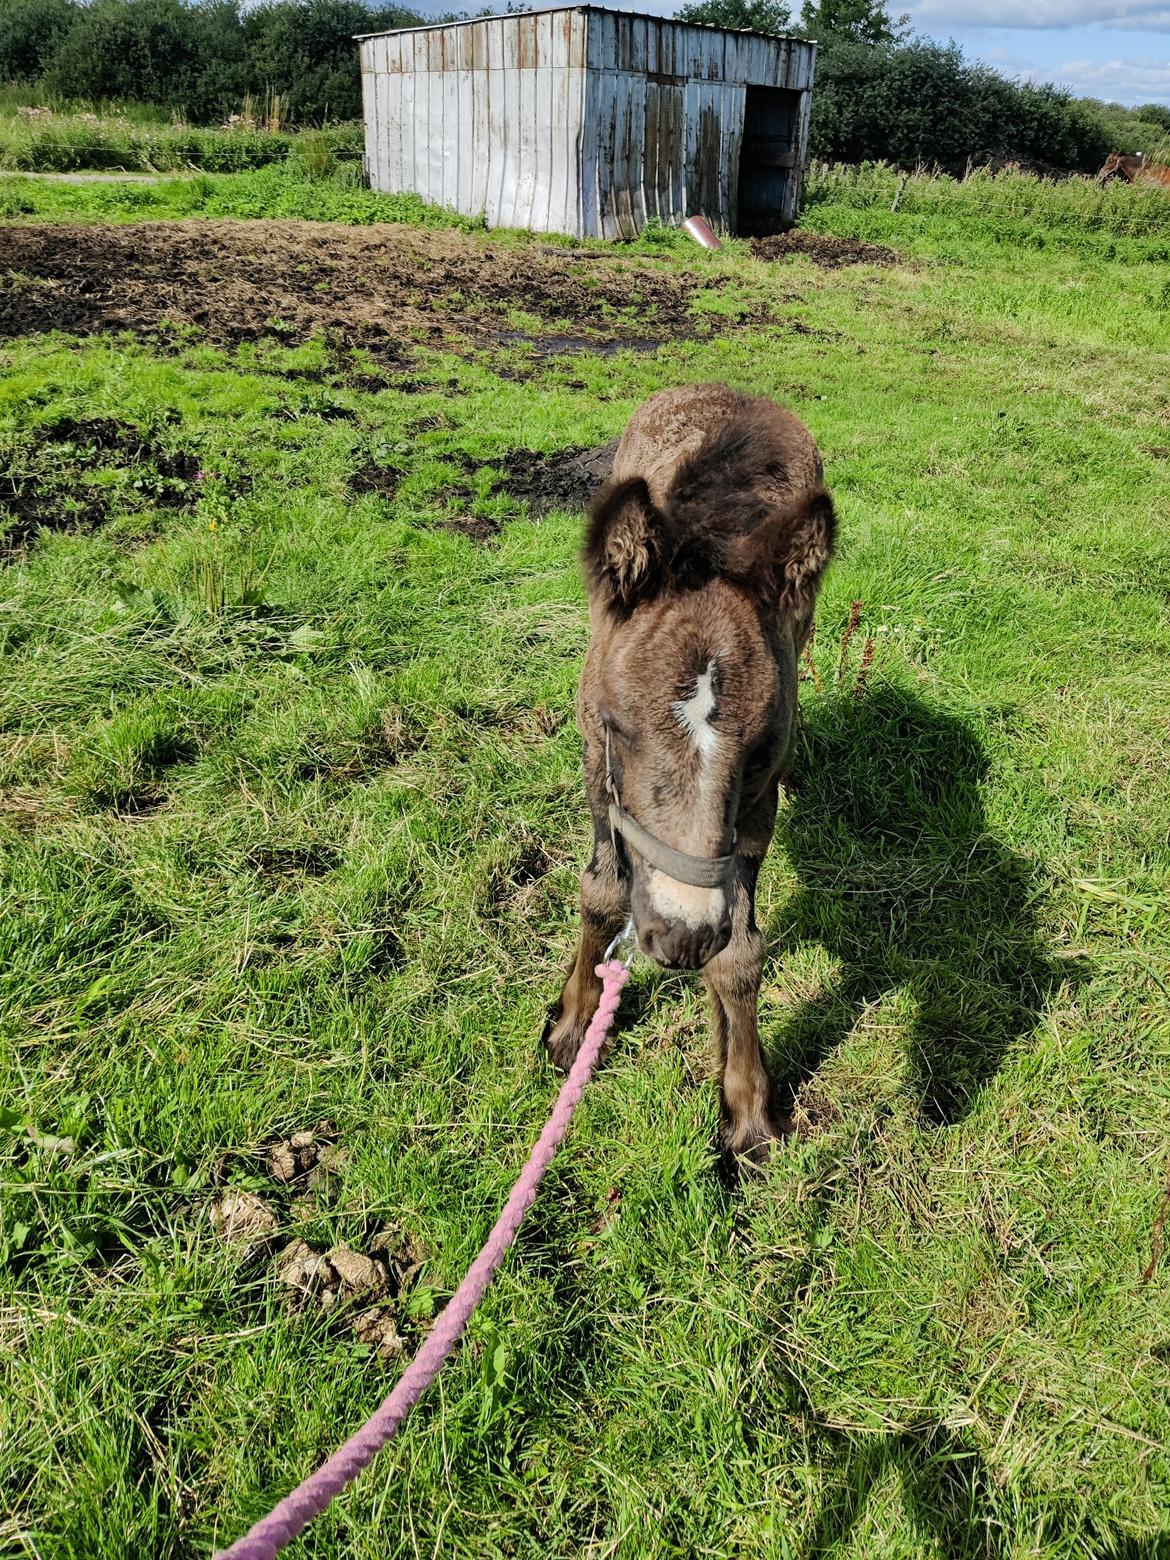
785	555
625	542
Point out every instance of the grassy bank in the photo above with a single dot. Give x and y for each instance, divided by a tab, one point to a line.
290	820
135	138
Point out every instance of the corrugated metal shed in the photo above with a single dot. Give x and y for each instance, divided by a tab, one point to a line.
590	122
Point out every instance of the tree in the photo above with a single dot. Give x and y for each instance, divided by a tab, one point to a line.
219	78
305	49
864	21
31	32
126	49
763	16
1155	113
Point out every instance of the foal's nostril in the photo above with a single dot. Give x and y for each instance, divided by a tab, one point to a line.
716	941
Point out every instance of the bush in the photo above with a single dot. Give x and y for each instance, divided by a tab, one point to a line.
127	48
31	33
923	103
200	59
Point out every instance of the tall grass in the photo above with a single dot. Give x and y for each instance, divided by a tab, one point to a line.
40	138
15	95
1083	204
301	189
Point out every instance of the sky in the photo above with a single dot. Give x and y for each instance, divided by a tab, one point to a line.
1113	49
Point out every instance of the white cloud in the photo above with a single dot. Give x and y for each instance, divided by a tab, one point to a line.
1122	81
937	16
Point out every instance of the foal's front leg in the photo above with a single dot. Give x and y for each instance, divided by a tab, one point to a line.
733	978
605	908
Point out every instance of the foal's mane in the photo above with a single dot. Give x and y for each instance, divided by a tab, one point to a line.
730	483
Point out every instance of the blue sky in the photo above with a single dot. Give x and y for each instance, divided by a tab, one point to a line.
1115	49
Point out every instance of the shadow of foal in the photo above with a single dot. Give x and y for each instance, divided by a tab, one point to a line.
904	886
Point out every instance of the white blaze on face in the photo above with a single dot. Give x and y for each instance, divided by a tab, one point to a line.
694	714
673	900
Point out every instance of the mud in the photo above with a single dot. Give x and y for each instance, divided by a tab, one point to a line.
566	479
563	479
384	291
371	477
49	479
823	249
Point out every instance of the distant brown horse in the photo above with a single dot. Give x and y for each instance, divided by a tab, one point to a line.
1136	168
703	559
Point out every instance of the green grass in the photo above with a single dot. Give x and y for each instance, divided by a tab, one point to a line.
291	818
65	138
288	191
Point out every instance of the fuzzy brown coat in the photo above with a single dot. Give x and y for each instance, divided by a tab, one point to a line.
703	558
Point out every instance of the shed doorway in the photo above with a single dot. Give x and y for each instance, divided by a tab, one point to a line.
767	157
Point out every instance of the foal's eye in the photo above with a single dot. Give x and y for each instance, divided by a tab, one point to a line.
758	760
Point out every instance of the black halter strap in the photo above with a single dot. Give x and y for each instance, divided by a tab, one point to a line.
698	871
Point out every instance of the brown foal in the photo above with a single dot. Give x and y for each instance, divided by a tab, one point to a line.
703	558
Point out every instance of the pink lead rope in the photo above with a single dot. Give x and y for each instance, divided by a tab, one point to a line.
310	1498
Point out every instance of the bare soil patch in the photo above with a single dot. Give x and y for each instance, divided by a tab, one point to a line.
49	481
566	479
822	248
383	290
560	479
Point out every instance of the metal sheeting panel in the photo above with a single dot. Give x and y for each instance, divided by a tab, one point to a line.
578	121
484	119
658	46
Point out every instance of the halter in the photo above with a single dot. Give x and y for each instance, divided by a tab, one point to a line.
698	871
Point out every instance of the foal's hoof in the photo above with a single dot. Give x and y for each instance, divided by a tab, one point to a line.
747	1145
562	1038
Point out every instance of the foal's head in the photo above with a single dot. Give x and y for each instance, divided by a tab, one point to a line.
690	689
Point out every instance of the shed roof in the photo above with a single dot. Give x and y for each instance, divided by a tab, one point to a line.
550	10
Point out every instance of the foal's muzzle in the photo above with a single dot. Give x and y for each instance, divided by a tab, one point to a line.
666	932
677	946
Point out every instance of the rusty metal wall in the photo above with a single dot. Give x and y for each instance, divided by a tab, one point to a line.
579	121
664	108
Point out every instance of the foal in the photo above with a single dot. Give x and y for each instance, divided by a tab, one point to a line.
703	557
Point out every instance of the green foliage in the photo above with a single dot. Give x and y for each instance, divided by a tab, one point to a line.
996	209
923	103
307	52
127	48
1145	129
31	33
762	16
200	59
864	21
63	142
290	190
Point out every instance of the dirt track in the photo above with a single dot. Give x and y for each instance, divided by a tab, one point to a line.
382	289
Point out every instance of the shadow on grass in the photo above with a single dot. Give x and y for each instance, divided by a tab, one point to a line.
953	1502
906	889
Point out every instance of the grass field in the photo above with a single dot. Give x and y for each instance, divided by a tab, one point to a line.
39	133
291	819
